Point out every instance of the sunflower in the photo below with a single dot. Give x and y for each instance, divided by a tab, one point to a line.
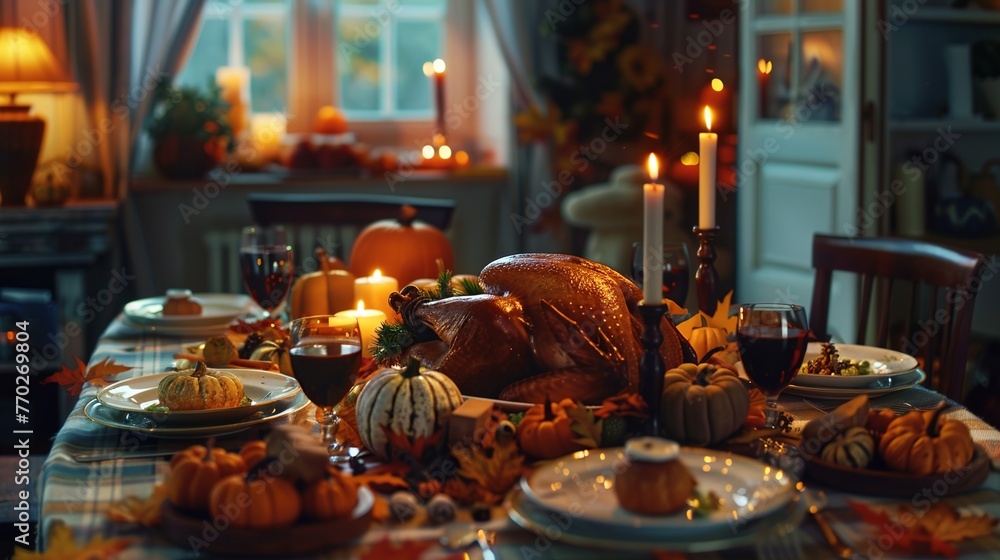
639	67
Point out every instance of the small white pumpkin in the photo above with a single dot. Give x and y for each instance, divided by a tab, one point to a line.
853	448
276	354
413	402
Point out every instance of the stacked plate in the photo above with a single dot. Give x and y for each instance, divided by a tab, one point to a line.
126	405
574	498
218	311
891	371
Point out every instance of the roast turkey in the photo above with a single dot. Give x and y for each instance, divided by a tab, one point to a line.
547	325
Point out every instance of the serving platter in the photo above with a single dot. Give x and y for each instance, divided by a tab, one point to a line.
582	485
904	381
278	542
263	388
150	423
887	366
581	532
883	482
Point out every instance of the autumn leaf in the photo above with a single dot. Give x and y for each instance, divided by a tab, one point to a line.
132	509
62	546
73	379
585	426
629	404
935	530
380	482
415	447
944	522
496	471
720	319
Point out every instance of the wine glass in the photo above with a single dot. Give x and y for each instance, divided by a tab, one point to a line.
772	339
266	264
676	275
326	355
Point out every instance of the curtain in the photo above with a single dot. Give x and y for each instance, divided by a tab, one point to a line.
516	26
121	50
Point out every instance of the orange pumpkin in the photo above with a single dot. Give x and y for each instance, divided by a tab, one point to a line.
922	443
256	501
195	471
405	249
253	452
546	431
330	497
706	339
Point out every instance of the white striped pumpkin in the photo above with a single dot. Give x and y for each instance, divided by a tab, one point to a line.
853	447
413	402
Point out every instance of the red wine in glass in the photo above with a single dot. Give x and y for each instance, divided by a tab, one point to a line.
326	369
772	339
267	274
676	275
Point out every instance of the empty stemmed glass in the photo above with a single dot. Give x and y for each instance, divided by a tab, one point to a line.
266	264
772	339
326	356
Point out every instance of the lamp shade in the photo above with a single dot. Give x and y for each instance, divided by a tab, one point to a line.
27	65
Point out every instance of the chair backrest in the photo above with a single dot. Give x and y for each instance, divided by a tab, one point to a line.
347	214
942	282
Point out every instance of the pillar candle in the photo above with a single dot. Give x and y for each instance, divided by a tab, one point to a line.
368	321
374	290
234	82
652	237
267	131
708	145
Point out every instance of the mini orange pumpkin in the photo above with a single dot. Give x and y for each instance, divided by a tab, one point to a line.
195	471
330	497
706	339
253	452
922	443
405	249
546	431
257	500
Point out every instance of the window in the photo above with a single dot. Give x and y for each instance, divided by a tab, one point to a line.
378	51
250	33
382	46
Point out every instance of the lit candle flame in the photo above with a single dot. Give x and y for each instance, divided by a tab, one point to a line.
438	66
764	66
377	273
444	152
653	167
717	84
361	305
708	117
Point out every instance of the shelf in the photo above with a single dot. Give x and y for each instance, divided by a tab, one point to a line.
989	245
932	124
970	16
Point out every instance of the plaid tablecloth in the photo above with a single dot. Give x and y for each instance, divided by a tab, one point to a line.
77	492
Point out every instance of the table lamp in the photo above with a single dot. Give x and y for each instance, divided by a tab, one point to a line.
26	66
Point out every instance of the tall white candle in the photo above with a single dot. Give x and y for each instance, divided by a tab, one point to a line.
374	290
652	237
368	321
708	148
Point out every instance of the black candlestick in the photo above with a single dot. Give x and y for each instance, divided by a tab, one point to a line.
706	279
651	368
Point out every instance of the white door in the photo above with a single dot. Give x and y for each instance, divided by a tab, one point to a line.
799	147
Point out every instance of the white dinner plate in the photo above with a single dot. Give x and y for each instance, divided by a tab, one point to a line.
151	423
263	388
580	532
582	485
216	309
897	383
886	364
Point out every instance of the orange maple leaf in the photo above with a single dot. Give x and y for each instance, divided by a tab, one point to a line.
380	482
415	447
62	546
720	319
403	548
629	404
73	379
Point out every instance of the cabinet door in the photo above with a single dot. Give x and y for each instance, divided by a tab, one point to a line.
798	161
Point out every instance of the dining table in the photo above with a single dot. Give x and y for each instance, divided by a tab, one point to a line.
92	466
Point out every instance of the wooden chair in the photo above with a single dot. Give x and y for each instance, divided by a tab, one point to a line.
342	215
937	334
